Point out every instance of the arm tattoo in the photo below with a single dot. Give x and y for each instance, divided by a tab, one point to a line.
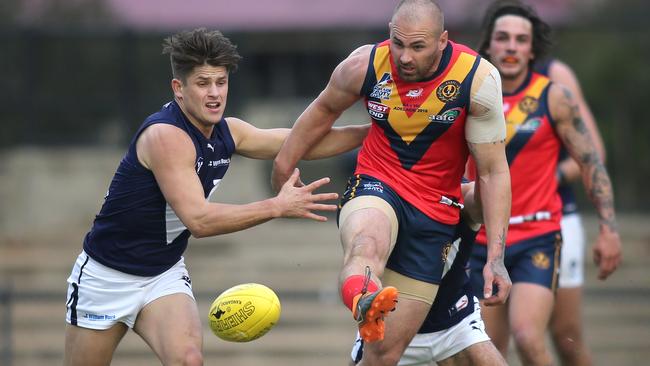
578	123
496	265
502	242
600	192
577	140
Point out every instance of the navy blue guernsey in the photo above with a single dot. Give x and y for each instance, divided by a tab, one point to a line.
136	231
455	299
565	190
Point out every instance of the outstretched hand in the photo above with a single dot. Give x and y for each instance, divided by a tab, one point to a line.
297	200
278	178
496	276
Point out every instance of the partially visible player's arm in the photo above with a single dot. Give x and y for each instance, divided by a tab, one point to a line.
258	143
576	138
561	73
485	132
170	154
473	211
340	93
338	141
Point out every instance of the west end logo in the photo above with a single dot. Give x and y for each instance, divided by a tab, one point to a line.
448	91
378	111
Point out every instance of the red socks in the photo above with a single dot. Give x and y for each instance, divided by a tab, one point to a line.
353	286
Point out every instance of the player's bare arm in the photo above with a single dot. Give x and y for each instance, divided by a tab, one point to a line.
561	73
574	134
170	154
342	91
485	133
258	143
494	187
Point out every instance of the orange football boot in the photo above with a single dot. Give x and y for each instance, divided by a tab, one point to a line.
371	308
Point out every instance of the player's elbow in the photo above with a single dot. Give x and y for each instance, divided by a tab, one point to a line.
198	231
198	228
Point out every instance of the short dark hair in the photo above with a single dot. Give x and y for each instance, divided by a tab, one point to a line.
541	30
189	49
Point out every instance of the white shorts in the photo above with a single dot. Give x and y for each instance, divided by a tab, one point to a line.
437	346
99	296
573	252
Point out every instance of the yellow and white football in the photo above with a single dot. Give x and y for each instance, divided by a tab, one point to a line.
244	312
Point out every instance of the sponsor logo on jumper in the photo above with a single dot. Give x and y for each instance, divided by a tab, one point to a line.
218	163
199	163
414	93
410	108
210	147
448	91
382	89
530	125
373	186
446	117
378	111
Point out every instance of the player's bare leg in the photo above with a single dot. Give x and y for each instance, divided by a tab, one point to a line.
497	325
530	307
89	347
479	354
566	328
172	328
366	237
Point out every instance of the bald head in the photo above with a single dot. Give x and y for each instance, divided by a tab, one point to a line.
412	11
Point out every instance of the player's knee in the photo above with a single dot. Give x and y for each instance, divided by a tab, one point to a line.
566	329
528	340
369	248
190	356
567	345
501	344
387	354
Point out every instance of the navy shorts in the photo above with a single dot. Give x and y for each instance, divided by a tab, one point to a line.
422	243
535	260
